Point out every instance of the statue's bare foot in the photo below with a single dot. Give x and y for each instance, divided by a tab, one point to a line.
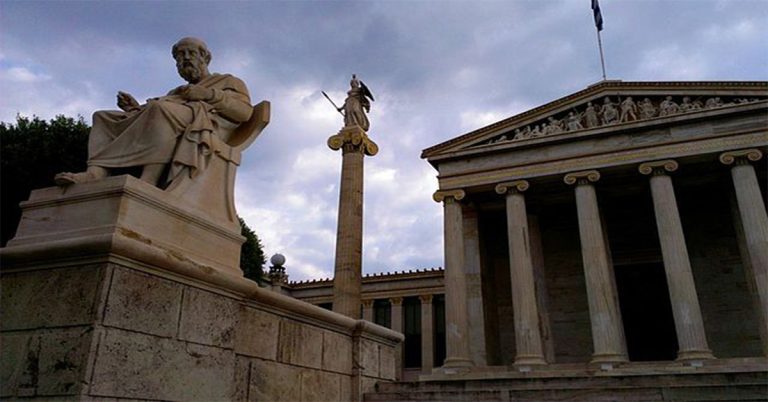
67	178
93	173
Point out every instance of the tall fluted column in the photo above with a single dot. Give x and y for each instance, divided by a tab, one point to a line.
527	329
368	310
754	221
475	308
457	334
396	317
427	333
348	266
605	317
689	325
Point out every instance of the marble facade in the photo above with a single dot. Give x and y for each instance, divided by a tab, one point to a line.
614	193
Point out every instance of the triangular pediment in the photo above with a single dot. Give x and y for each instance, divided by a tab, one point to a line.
607	104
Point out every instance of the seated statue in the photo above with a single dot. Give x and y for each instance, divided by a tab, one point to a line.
170	135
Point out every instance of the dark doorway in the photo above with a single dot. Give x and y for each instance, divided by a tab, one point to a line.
646	312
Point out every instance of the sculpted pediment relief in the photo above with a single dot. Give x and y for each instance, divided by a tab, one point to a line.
609	104
614	110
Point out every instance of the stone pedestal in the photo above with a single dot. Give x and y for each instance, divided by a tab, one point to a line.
527	327
128	217
456	331
354	144
106	296
605	317
754	221
689	324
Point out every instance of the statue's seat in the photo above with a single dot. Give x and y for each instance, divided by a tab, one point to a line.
212	190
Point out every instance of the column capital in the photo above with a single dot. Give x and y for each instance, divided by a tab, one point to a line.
425	299
368	303
658	167
353	139
512	187
741	156
445	195
583	177
396	301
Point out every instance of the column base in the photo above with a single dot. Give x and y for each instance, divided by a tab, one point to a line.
529	360
455	365
693	355
608	358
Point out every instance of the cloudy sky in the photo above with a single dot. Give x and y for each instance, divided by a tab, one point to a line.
438	69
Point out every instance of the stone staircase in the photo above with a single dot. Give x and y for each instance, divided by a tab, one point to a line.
639	383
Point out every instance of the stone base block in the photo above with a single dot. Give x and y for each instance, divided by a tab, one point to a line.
123	215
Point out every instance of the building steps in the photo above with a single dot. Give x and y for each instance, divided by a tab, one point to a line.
628	385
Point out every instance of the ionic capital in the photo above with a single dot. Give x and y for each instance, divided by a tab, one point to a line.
368	303
396	301
583	177
741	156
447	195
658	167
425	299
353	139
512	187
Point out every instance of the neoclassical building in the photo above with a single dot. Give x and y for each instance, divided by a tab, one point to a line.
622	224
617	233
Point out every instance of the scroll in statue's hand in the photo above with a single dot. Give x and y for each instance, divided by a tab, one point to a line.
194	92
126	102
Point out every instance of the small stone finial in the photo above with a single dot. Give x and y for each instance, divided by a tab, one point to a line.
277	271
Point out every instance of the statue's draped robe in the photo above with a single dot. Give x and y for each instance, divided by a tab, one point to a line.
169	128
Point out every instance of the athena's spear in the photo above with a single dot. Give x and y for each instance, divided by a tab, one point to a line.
338	109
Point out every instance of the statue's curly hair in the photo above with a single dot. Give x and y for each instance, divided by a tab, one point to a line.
197	42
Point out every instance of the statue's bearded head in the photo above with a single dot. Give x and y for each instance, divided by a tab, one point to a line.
192	58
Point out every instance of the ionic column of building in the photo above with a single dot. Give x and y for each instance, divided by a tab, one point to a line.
526	316
754	221
608	341
368	310
457	333
427	333
396	311
689	325
475	308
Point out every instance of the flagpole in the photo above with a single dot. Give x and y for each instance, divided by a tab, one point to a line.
600	45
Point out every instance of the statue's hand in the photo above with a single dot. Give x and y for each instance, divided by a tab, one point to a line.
126	102
194	92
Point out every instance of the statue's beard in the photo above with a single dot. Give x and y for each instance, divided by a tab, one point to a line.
190	71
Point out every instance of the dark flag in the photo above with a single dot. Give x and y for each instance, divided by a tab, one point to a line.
598	15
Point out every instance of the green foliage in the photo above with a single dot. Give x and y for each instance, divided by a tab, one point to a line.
252	258
32	151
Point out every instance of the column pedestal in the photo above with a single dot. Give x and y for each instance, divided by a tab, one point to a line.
605	317
689	325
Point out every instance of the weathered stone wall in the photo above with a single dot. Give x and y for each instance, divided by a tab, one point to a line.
123	331
97	303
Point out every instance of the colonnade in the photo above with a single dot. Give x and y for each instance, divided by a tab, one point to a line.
609	345
396	324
